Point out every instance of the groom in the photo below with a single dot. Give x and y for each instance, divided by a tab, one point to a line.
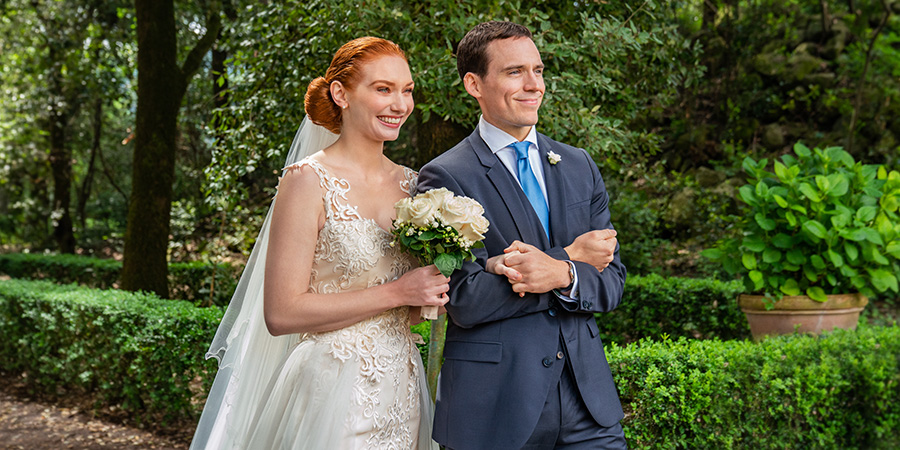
524	366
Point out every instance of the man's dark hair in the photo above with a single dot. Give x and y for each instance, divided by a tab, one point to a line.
471	54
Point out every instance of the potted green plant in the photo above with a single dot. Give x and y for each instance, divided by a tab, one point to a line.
818	235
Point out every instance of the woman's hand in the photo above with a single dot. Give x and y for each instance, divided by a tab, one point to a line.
497	266
424	286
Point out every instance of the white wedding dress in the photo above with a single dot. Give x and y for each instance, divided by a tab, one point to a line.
359	387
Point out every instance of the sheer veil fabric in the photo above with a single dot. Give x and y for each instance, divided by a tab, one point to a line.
248	355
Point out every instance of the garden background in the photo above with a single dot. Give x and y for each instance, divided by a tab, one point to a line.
140	145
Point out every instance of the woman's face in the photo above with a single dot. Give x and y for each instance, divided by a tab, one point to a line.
381	99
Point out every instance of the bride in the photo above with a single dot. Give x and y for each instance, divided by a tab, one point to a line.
315	350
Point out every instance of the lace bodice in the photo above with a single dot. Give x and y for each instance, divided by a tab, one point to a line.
354	253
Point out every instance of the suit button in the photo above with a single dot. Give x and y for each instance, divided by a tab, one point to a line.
547	362
552	311
585	304
559	355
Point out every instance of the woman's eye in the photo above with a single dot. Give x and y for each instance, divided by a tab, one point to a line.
384	89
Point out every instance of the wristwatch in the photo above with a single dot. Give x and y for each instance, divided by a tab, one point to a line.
571	277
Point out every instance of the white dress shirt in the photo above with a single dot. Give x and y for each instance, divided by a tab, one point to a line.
499	142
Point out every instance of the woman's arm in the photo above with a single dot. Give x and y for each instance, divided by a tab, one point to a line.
289	307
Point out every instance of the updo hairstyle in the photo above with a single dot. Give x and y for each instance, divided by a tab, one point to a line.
345	67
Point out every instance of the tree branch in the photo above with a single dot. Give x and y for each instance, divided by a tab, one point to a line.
195	56
862	79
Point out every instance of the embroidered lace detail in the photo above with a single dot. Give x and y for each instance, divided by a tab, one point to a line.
354	253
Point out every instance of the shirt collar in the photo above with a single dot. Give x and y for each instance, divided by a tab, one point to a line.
497	139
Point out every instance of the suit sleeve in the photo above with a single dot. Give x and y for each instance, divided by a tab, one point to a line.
598	291
476	295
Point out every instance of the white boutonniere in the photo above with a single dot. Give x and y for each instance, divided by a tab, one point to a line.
553	158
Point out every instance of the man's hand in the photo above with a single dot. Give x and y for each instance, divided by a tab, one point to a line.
538	272
596	247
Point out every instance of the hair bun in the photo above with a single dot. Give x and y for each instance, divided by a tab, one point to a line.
319	106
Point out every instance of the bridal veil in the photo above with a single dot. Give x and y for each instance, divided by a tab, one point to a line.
248	355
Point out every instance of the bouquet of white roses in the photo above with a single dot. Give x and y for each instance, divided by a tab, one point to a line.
439	228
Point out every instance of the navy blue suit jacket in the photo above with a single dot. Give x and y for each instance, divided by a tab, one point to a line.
501	349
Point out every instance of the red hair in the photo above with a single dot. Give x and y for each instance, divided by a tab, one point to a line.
345	67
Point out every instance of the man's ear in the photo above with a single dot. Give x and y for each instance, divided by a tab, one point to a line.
338	93
473	85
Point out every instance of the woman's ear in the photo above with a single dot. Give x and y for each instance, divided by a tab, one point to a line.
339	94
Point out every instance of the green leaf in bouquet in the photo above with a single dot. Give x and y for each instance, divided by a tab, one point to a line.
445	263
427	235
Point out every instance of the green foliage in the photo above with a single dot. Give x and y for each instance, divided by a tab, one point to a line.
839	390
656	307
821	224
129	350
785	71
201	283
606	64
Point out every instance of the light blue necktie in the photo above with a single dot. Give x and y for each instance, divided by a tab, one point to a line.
530	185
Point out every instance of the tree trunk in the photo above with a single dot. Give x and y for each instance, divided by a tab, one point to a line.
161	87
160	91
60	160
85	192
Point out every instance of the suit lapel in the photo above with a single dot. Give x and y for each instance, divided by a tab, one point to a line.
508	189
556	193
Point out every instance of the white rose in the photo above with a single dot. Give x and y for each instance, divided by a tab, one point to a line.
469	234
421	211
480	225
455	212
474	230
402	209
437	196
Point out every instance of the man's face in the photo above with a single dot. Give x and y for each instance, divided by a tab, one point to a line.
511	91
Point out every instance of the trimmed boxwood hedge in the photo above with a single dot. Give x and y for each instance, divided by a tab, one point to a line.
131	350
187	281
652	306
840	390
655	306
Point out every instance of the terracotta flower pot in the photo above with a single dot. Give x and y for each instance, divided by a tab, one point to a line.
802	314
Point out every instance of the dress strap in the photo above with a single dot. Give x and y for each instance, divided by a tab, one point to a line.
410	181
335	196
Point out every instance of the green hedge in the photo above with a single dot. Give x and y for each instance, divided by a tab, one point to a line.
187	281
840	390
131	350
657	307
145	355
